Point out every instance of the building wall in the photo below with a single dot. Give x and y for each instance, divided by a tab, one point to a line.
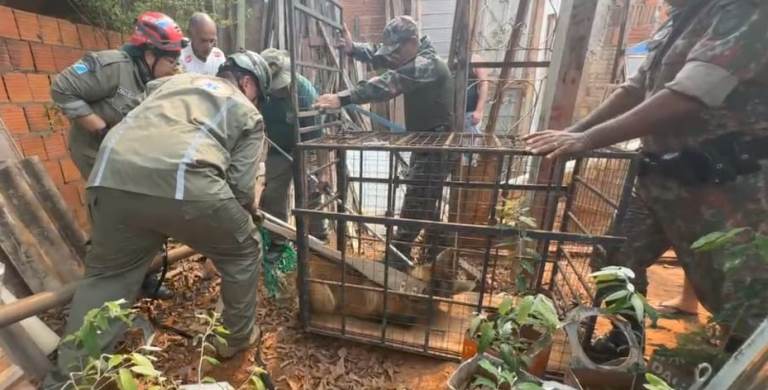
33	49
644	18
365	19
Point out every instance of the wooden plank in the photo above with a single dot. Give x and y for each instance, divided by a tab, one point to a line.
373	270
558	101
458	60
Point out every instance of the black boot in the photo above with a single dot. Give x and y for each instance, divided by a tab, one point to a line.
149	288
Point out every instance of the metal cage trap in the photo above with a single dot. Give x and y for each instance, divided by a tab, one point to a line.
433	227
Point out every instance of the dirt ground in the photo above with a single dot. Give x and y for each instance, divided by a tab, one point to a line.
298	360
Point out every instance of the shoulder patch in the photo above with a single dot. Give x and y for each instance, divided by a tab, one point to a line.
215	87
80	67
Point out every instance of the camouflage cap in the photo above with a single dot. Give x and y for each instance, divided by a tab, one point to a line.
398	30
280	64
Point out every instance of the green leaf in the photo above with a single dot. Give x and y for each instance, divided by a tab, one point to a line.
655	383
211	360
506	305
483	382
126	381
208	380
487	334
488	366
257	383
616	296
114	360
145	371
222	331
141	360
508	355
528	386
637	303
716	240
545	309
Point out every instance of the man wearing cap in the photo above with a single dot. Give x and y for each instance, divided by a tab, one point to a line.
414	70
202	56
182	164
279	121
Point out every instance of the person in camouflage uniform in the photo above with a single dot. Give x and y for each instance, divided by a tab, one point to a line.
101	88
182	164
414	70
700	102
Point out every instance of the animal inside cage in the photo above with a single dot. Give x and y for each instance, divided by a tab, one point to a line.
433	227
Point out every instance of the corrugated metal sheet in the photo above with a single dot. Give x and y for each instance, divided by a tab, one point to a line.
436	20
39	237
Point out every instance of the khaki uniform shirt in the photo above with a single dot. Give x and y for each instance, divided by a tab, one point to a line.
195	137
105	83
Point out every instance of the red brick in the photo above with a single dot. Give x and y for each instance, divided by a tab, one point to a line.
33	146
81	192
55	146
37	117
70	195
63	57
115	39
102	40
87	37
43	56
21	55
69	35
29	26
49	30
69	170
3	94
8	27
13	117
54	171
17	87
5	59
40	85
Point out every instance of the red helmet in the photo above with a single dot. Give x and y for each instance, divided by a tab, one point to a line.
158	31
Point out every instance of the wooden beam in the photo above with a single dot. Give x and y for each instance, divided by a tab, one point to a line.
569	54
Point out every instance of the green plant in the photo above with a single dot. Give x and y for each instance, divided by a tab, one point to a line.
521	248
501	377
102	12
508	333
127	371
614	284
738	248
655	383
213	330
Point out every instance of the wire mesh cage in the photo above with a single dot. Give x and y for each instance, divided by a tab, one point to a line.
433	227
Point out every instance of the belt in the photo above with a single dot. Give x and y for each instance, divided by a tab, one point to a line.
720	160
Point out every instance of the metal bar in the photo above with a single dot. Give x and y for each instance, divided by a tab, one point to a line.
314	14
309	129
324	166
391	196
317	66
596	191
468	184
578	223
498	232
310	113
335	198
366	339
299	176
341	228
511	64
570	261
360	190
567	210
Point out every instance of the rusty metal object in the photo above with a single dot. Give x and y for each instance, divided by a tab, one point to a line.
40	302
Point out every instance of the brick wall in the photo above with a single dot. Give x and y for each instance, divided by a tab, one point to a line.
644	18
365	19
33	48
